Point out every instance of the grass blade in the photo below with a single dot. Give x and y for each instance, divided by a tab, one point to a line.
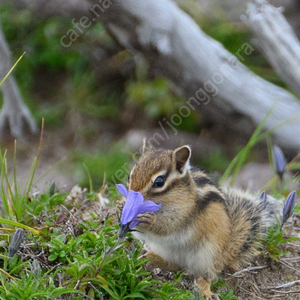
17	224
11	69
236	164
50	169
35	161
3	193
89	176
238	161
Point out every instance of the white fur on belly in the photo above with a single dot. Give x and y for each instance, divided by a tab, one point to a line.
198	260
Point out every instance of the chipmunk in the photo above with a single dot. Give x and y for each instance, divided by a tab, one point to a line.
199	228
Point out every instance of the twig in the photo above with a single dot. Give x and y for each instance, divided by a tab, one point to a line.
249	269
291	259
255	296
77	284
293	244
254	285
284	285
100	294
273	297
287	265
287	292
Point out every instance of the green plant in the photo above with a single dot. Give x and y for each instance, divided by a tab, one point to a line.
30	286
274	240
155	96
14	201
297	208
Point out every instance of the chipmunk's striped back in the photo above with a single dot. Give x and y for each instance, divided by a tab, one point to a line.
249	218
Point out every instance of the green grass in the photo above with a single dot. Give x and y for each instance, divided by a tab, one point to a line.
274	240
65	254
70	259
12	198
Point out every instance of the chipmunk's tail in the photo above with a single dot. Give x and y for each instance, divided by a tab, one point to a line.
272	210
250	217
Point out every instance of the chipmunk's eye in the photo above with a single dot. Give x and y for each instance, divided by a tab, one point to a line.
159	182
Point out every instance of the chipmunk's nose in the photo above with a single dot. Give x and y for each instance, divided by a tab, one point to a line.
123	229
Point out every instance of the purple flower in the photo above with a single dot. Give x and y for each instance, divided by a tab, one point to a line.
15	242
279	161
289	205
263	199
134	206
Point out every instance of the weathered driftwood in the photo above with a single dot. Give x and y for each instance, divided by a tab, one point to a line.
212	79
14	112
277	41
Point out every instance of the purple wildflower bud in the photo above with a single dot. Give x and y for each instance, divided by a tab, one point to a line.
263	199
35	267
289	205
15	242
134	206
279	161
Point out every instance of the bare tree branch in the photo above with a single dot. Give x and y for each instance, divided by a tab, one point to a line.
201	69
275	37
14	111
213	81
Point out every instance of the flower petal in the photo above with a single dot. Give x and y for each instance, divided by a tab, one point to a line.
148	206
131	207
279	161
137	196
129	211
122	189
133	224
289	205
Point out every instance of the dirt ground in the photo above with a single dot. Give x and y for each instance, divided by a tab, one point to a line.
267	279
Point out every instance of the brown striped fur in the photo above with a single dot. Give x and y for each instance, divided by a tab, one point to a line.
200	227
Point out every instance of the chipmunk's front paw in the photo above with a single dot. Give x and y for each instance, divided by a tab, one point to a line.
146	220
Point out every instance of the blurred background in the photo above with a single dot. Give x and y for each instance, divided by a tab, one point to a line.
99	101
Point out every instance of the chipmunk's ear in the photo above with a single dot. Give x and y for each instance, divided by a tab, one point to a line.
146	146
181	157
